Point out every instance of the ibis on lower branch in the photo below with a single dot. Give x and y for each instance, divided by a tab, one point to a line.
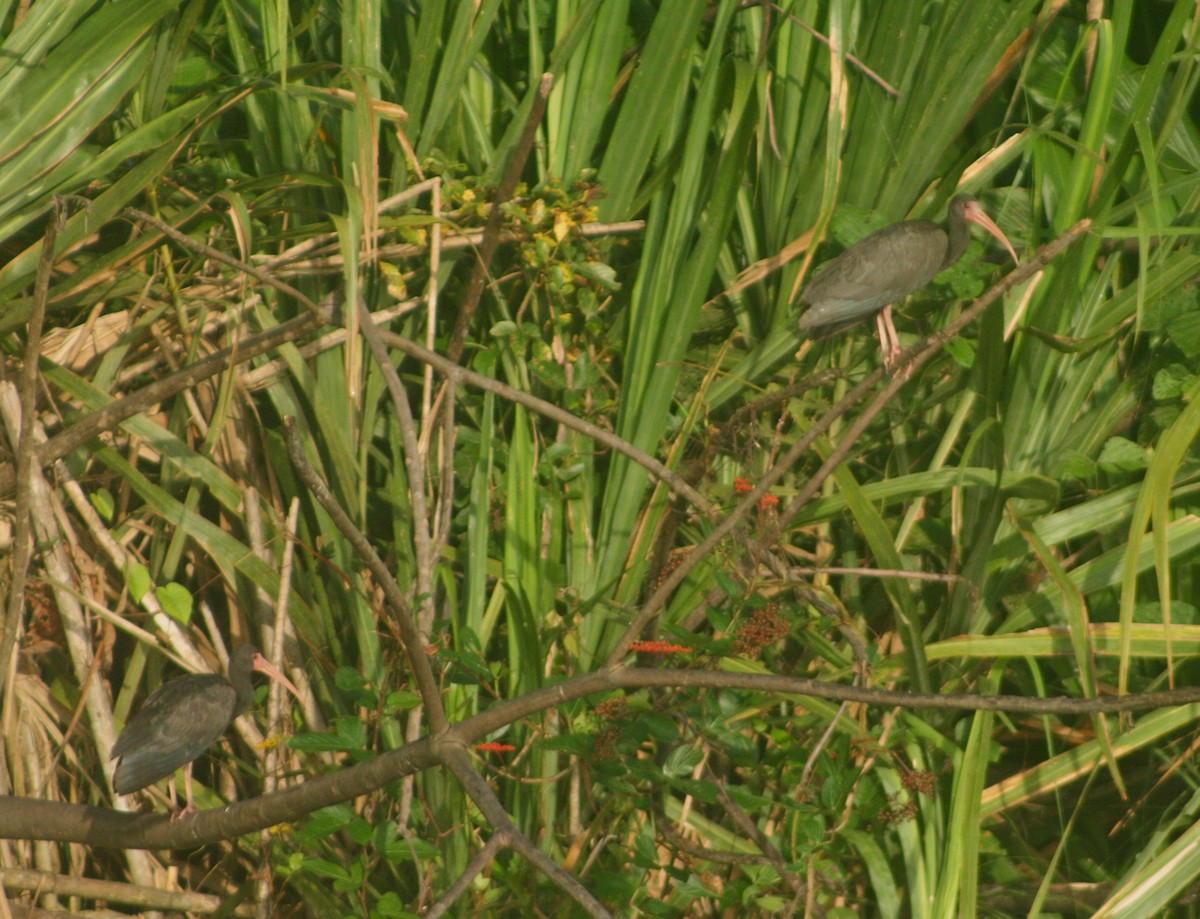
886	267
183	718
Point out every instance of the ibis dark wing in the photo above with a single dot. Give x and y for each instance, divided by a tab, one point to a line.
180	720
880	269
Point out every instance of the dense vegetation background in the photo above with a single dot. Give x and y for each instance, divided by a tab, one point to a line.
621	240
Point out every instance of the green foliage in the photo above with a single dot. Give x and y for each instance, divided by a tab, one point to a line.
1031	495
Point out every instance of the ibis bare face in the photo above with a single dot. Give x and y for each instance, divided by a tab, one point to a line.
886	267
183	718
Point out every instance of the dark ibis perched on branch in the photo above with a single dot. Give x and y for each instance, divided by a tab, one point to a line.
183	718
887	266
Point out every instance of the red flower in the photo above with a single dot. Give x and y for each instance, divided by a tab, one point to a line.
494	747
741	486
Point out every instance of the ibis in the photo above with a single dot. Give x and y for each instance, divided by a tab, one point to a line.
183	718
886	267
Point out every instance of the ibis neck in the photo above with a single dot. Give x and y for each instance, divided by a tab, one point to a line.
959	237
241	677
245	695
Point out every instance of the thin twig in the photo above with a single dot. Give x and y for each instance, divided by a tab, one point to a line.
457	761
752	830
415	642
491	233
218	256
26	454
457	374
149	898
480	862
871	74
420	521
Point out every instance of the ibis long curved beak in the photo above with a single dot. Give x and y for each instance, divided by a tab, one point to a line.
265	667
976	215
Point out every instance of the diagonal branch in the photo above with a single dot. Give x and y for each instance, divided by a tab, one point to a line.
414	641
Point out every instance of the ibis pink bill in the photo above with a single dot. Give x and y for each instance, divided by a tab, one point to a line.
183	718
887	266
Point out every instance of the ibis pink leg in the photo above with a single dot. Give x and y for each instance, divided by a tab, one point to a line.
889	339
189	808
